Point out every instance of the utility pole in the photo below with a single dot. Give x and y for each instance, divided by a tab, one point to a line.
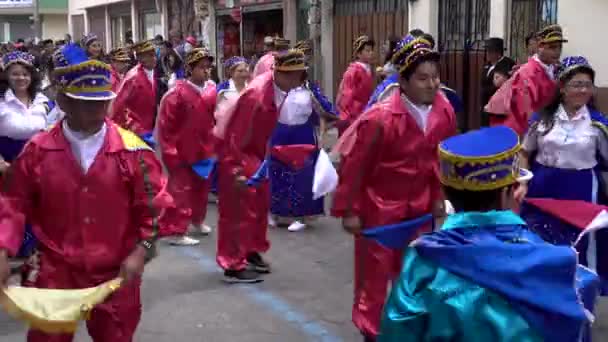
36	20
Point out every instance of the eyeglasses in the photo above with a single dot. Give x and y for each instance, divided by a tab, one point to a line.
580	85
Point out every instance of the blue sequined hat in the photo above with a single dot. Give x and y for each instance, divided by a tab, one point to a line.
569	64
19	57
80	77
410	49
234	61
482	160
88	39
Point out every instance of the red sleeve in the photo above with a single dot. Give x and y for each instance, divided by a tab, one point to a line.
169	123
150	195
346	101
119	110
239	129
19	194
522	100
356	167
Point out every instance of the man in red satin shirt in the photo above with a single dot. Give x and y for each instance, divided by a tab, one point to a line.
389	172
93	193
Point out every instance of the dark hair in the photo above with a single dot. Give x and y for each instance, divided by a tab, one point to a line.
409	72
34	87
177	61
547	114
416	33
159	37
529	37
464	200
392	44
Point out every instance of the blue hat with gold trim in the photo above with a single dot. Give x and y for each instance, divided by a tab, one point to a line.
482	160
80	77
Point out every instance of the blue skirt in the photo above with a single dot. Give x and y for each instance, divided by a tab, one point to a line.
290	188
583	185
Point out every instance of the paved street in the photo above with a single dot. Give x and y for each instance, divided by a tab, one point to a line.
307	298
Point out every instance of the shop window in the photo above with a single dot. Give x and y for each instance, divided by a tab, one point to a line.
151	25
529	16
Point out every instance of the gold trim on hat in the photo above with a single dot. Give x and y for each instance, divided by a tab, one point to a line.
360	43
196	55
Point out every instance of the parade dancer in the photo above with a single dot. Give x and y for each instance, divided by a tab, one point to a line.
23	113
238	73
120	65
532	86
94	191
389	172
92	45
485	276
293	156
138	98
23	109
567	147
243	210
185	124
357	83
267	61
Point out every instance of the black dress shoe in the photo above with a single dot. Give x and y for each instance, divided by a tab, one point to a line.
257	263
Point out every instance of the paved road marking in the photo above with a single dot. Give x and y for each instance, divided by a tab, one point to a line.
281	308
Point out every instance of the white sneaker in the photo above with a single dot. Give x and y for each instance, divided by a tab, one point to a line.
200	229
296	226
183	241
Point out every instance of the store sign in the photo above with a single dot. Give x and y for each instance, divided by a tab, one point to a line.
238	3
15	3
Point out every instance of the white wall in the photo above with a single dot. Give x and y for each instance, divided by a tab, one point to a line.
424	15
584	27
54	26
498	18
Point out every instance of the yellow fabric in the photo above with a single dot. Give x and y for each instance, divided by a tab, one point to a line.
54	311
131	141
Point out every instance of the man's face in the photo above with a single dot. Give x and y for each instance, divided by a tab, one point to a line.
423	85
366	55
290	79
85	115
120	66
550	53
200	71
147	59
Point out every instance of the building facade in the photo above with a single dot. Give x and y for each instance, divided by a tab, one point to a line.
16	19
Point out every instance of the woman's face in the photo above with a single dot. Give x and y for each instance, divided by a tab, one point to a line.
240	73
94	49
19	77
578	91
499	79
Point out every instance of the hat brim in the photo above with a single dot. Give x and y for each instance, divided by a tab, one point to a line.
525	175
96	96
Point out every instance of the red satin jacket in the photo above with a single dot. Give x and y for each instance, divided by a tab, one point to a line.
90	221
249	129
527	92
135	106
354	92
185	124
116	80
392	174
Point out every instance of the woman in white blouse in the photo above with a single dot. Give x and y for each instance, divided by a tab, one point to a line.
23	108
238	70
565	147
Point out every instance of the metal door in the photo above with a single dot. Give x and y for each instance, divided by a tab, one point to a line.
463	28
528	16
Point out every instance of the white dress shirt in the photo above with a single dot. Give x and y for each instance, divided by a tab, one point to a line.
20	122
420	113
150	74
572	143
85	148
549	69
297	106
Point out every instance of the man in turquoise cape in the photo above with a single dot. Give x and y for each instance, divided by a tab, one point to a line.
484	276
